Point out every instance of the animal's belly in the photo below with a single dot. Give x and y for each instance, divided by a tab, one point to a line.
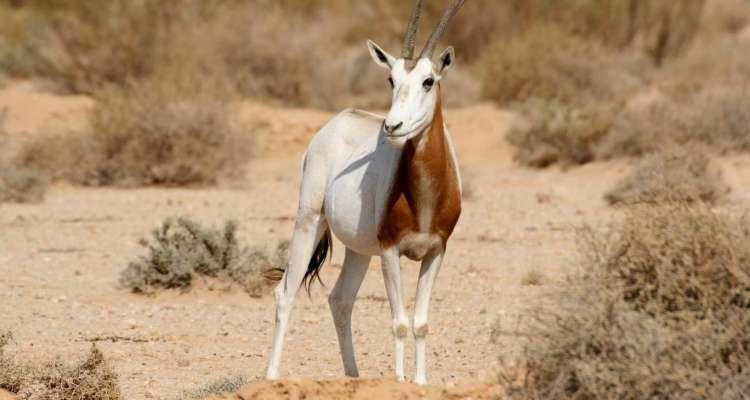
351	211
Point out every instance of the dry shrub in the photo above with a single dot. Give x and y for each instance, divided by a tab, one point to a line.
152	134
718	117
553	132
169	131
169	127
17	38
22	186
12	375
565	88
18	185
83	45
182	251
658	29
713	62
679	175
300	54
64	156
580	52
90	379
662	313
308	53
547	63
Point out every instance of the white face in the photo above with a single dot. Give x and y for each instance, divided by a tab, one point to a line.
414	93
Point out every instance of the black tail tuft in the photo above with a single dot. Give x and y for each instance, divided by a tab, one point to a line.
313	269
317	260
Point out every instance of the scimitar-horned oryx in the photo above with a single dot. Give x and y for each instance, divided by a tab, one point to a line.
384	186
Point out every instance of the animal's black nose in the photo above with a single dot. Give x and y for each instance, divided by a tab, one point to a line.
392	128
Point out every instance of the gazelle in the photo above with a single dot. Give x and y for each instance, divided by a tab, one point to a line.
385	186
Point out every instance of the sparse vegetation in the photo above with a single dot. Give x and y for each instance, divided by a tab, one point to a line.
182	251
90	379
661	312
679	175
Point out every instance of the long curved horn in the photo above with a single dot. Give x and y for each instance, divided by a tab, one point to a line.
432	42
410	38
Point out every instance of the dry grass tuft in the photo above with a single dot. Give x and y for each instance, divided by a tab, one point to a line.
183	251
90	379
679	175
662	312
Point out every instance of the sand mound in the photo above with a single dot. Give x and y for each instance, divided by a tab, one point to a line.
357	389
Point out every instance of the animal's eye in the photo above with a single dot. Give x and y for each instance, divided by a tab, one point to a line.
390	82
427	84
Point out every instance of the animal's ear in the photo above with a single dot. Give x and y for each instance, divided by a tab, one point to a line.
446	60
380	56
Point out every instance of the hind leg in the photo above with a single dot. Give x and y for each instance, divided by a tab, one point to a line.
309	229
305	237
342	299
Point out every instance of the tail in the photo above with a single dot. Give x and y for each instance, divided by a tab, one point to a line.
317	260
324	246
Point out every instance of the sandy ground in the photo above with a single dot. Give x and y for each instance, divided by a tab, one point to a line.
60	260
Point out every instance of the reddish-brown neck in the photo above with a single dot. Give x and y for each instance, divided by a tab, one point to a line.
425	196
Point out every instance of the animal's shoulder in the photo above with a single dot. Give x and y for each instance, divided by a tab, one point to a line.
353	127
349	131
